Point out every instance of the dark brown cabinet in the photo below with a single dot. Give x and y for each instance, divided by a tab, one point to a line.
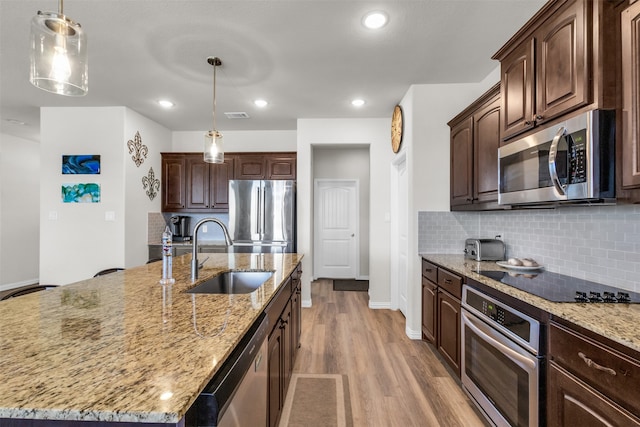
265	166
173	182
429	310
590	383
556	64
191	185
284	313
203	187
441	292
475	138
630	156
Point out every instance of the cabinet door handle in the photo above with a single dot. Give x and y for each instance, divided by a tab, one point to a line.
590	363
538	117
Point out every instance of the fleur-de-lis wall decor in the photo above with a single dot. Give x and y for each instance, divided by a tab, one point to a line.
138	150
151	182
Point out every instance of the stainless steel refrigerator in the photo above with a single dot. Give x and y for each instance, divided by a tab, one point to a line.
262	216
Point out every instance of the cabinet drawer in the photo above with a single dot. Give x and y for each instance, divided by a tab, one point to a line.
450	282
430	271
613	374
278	303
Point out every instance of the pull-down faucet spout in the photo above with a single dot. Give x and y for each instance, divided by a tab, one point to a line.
194	248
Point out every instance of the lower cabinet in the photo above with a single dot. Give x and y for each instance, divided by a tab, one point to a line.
449	329
590	383
441	291
284	340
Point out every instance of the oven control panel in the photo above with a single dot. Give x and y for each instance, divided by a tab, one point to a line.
499	315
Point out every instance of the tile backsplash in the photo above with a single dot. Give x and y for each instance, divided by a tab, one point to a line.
597	243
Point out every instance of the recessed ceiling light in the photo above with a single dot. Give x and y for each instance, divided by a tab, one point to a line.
375	20
260	103
357	102
165	103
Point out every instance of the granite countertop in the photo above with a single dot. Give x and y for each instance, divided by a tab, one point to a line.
618	322
122	347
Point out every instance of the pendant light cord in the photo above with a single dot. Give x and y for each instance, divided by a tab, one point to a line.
60	9
214	97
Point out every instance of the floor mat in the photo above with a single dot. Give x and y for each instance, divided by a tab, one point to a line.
317	400
350	285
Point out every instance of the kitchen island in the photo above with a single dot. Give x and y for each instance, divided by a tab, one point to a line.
122	347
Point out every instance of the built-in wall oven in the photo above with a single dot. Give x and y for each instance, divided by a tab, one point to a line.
502	362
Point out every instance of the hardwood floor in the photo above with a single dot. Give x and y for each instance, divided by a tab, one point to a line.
393	380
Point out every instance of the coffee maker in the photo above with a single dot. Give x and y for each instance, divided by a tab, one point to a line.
180	226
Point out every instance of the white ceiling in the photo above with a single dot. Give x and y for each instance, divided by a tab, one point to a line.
308	58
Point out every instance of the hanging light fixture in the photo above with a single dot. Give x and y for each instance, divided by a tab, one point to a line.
58	54
213	149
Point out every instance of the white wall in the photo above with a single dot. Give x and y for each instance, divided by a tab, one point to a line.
238	141
19	211
80	242
137	203
372	132
427	109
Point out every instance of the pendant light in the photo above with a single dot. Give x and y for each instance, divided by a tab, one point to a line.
213	150
58	54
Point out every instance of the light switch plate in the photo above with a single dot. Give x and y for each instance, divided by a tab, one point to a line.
109	216
53	215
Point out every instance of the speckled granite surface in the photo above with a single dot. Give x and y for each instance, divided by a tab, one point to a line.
618	322
122	347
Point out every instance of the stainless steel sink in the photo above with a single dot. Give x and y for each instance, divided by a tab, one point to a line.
232	282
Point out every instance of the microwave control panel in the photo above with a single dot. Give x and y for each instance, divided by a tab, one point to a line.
577	157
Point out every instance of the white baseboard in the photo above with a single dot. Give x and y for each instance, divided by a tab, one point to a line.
18	284
380	305
414	335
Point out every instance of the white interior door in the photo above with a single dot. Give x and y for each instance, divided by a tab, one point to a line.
335	229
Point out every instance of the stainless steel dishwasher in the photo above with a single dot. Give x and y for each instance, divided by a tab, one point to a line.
237	395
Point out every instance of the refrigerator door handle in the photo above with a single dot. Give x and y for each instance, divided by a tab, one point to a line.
259	201
262	214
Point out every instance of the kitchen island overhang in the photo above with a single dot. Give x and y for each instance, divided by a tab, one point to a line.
122	347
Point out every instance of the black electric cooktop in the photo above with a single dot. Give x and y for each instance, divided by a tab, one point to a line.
560	288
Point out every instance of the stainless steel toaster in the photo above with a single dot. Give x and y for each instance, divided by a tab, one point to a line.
484	249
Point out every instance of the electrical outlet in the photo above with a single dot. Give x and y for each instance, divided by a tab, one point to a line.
204	228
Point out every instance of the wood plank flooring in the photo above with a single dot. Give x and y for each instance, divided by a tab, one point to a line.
393	380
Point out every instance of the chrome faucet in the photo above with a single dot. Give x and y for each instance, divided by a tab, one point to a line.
194	248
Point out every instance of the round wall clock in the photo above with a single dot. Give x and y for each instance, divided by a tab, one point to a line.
396	128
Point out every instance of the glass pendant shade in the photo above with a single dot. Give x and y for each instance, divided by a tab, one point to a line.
213	149
58	55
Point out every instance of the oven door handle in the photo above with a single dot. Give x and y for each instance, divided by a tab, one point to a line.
553	171
497	340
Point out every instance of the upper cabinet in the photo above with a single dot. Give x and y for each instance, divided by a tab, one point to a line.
557	64
630	155
191	185
475	138
266	166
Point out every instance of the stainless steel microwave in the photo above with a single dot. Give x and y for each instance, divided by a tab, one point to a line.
571	161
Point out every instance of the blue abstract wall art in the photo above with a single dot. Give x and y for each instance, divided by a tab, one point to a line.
81	193
88	164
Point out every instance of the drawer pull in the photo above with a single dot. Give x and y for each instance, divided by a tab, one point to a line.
448	281
590	363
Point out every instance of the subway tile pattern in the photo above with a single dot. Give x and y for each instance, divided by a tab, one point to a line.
598	243
155	227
